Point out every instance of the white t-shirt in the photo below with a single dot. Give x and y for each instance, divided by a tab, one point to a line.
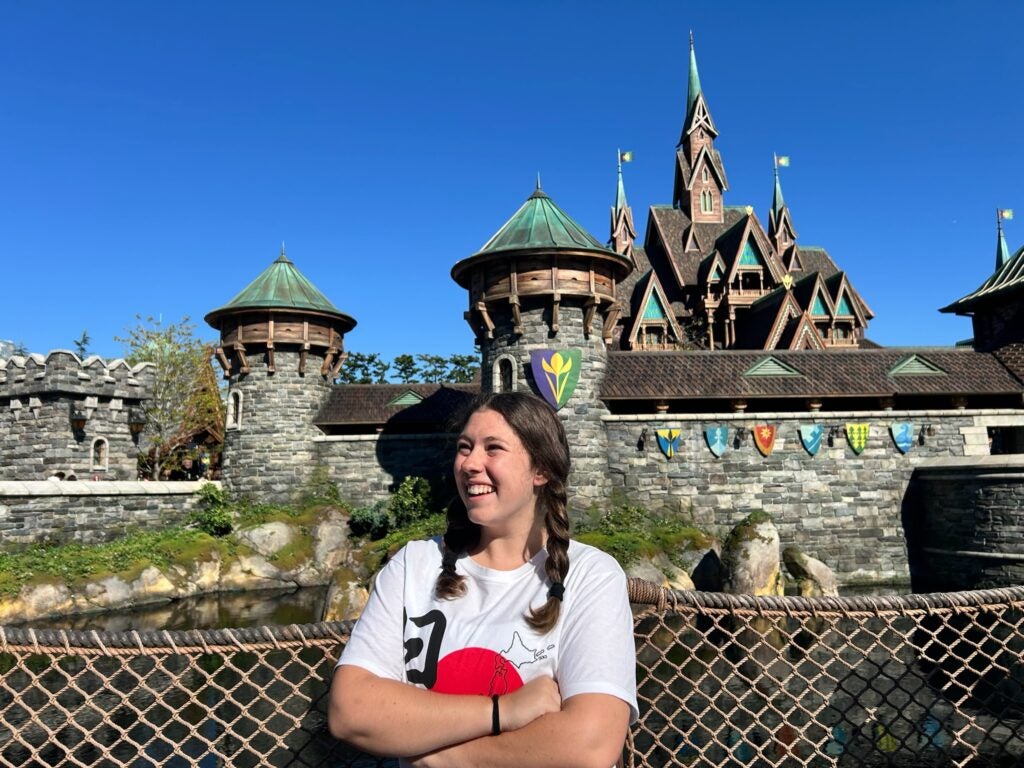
479	643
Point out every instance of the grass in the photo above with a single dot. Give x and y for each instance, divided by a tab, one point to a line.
126	557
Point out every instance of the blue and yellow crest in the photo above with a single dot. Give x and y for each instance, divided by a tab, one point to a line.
903	435
857	435
556	373
718	439
668	441
810	437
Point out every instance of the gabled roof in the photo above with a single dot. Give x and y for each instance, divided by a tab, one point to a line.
280	286
801	334
731	245
714	160
839	286
650	289
829	373
1005	281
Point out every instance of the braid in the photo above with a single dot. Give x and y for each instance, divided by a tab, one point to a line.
460	535
556	566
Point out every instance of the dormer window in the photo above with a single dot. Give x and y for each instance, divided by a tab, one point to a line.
704	175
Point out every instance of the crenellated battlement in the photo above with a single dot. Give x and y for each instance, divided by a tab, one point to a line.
62	371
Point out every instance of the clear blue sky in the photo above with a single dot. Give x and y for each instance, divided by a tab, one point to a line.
154	155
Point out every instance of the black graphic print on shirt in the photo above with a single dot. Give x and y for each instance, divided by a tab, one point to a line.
473	670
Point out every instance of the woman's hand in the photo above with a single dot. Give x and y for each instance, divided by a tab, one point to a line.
538	697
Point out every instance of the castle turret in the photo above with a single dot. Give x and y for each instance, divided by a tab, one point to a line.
281	345
543	283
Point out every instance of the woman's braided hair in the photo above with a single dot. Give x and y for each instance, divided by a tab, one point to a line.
541	432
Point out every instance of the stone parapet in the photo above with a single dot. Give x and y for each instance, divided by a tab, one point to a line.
62	371
59	512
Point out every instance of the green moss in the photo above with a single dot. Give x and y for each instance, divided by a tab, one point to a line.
75	564
376	553
628	533
294	553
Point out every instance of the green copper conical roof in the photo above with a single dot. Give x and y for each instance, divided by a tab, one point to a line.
280	286
540	223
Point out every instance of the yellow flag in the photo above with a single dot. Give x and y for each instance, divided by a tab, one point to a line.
626	157
1006	213
784	161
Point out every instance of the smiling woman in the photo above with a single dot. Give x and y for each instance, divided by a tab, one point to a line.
521	652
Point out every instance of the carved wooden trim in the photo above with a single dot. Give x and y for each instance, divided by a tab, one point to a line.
481	307
242	359
223	360
610	319
588	314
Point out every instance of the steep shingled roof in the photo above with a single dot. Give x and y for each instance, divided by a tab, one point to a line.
830	373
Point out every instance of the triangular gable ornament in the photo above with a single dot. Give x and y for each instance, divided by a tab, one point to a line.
857	435
764	438
668	441
903	435
718	439
810	437
556	373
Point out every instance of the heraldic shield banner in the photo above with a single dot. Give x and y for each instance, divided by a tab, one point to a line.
556	373
857	435
903	435
764	438
718	439
668	441
810	437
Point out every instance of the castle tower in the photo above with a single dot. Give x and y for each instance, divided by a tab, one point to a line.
700	176
542	282
281	345
623	233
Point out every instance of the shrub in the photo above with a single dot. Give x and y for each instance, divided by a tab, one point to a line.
370	522
213	513
412	501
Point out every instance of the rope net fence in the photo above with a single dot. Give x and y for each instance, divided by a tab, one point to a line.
918	680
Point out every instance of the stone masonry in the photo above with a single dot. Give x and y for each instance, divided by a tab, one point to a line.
37	395
270	454
85	512
582	414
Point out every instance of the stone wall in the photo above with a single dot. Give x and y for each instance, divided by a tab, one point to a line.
965	523
269	454
367	468
583	413
842	508
37	395
90	512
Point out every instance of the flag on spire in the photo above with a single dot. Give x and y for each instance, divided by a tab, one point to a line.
782	161
626	157
1005	214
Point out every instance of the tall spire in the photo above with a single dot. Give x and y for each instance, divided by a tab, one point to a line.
1002	252
778	203
623	233
693	92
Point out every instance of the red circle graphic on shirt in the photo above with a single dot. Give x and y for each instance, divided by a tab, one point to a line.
478	671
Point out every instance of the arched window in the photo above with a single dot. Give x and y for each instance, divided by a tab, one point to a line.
503	374
706	201
704	175
234	420
100	455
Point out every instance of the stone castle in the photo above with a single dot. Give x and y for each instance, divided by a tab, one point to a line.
689	348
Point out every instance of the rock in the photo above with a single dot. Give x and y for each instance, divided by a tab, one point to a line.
251	572
345	601
266	539
152	584
661	571
814	578
751	557
332	542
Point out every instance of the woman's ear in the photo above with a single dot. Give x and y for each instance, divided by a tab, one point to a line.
539	479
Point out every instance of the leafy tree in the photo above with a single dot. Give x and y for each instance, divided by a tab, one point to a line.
185	398
463	368
82	344
405	369
433	368
363	368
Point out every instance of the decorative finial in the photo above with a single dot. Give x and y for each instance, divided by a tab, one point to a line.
538	181
691	39
282	249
